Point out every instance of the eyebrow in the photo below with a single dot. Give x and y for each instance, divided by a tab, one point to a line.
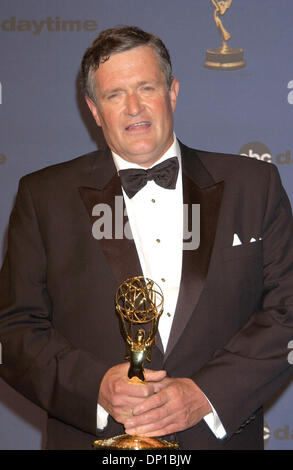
147	82
141	83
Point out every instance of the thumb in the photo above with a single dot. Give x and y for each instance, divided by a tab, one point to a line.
154	375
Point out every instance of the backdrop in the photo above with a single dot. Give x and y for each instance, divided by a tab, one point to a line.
44	119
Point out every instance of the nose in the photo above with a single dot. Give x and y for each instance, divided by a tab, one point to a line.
133	104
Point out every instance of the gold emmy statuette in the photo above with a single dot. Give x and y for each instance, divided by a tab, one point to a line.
225	57
139	301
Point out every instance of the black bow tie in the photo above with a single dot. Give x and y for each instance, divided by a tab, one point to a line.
164	174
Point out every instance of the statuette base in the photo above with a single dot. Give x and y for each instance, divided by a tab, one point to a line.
127	442
224	58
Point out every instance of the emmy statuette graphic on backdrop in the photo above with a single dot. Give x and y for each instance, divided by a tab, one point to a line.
139	301
224	57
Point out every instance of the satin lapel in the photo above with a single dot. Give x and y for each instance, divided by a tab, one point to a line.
196	262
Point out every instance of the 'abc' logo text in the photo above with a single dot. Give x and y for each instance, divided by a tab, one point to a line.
260	151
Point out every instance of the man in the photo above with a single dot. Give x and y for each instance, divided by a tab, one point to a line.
221	351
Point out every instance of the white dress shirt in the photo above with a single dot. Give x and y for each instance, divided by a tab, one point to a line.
155	216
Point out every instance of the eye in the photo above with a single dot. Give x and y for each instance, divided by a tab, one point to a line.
115	94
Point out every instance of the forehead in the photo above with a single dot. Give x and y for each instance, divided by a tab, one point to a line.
139	63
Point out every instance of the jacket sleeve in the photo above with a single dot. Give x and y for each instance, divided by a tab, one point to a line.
37	360
254	364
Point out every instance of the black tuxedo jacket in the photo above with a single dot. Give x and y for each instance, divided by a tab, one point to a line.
234	316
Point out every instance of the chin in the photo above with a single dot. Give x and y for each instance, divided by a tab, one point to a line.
145	160
145	156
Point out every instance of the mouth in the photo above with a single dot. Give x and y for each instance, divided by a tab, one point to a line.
138	126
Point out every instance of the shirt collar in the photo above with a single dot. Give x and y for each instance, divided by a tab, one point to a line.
173	151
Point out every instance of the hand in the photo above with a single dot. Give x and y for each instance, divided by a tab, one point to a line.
118	396
177	405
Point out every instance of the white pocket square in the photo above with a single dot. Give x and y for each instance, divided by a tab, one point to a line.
255	239
236	240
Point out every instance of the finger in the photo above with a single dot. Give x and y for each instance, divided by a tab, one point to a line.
152	402
154	375
125	402
125	387
161	423
170	429
155	426
158	386
121	410
151	416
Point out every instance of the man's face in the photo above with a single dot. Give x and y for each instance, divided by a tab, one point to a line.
134	106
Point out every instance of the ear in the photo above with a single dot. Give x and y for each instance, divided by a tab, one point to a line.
173	93
93	110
